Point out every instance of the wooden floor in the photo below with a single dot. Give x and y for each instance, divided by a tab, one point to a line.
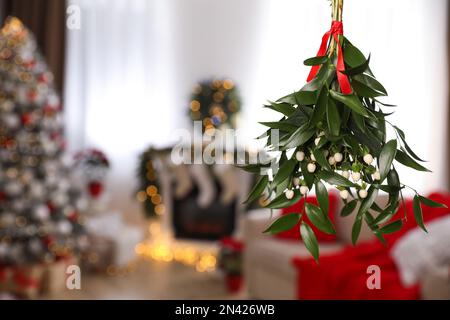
149	281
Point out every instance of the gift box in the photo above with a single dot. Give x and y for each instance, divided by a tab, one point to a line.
99	255
24	281
55	276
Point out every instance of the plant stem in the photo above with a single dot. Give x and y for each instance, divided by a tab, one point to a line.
336	8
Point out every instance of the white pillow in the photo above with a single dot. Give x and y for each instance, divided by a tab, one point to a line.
418	252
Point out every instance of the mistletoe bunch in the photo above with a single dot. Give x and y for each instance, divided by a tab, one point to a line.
333	131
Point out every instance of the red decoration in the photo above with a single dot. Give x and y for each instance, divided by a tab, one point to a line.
73	216
26	118
95	189
32	95
234	283
24	281
337	29
51	207
232	244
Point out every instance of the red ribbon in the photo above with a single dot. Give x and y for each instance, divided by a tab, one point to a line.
337	29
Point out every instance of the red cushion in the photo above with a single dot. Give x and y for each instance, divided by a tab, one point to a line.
294	233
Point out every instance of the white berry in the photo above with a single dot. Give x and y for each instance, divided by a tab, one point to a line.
368	158
344	194
362	193
311	167
304	190
338	157
376	176
317	141
331	161
300	156
356	176
346	174
321	134
313	158
289	194
296	182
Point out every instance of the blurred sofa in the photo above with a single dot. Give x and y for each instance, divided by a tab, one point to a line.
270	271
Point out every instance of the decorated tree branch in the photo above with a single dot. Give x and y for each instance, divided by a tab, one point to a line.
216	103
333	131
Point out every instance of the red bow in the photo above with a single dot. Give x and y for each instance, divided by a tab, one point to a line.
337	29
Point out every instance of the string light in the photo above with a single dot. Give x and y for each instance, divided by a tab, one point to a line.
160	247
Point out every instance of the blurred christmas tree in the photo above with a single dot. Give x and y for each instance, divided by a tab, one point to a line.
38	215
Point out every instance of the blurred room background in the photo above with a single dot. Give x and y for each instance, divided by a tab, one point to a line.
127	72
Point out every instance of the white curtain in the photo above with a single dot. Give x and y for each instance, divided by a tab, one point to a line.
132	65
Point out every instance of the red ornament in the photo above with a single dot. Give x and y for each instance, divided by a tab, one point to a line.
73	216
95	189
48	240
30	64
26	119
51	207
32	95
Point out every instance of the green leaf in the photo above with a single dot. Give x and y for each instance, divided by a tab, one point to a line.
303	98
299	137
285	171
283	108
370	82
372	194
418	213
280	125
392	227
315	61
393	180
349	208
333	118
317	218
321	107
406	160
386	158
284	223
258	189
364	90
310	240
376	231
359	121
408	149
281	201
430	203
385	104
320	158
325	75
356	229
384	217
309	177
253	168
352	55
351	101
322	197
336	179
358	69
